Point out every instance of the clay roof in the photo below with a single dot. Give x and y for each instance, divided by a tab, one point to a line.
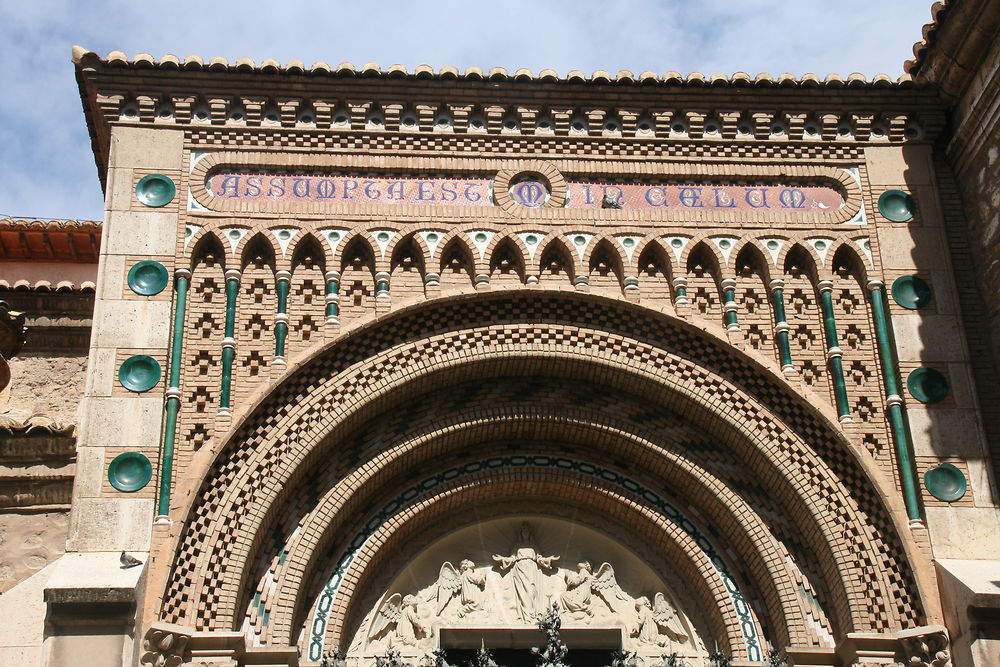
50	240
939	12
82	58
37	423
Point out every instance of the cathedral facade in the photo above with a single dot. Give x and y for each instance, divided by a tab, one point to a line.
387	362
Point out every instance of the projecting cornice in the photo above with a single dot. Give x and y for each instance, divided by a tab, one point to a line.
626	108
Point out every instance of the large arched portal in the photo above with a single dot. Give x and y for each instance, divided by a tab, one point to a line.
710	486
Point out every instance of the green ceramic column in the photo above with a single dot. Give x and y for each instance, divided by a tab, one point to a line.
781	324
281	318
173	393
332	297
894	402
381	285
680	290
834	355
729	305
229	341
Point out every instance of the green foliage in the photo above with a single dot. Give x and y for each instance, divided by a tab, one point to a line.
334	658
391	659
623	659
484	658
718	659
553	654
440	658
774	659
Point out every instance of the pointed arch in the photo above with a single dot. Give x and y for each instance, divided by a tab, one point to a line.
507	264
704	276
357	277
805	320
753	297
204	322
654	273
406	266
860	353
458	267
605	266
556	267
256	305
307	292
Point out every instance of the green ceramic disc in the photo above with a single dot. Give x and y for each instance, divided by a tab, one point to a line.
148	277
911	292
139	373
945	482
130	472
897	205
927	385
155	190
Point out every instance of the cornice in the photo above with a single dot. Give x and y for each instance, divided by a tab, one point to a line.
50	240
271	97
956	46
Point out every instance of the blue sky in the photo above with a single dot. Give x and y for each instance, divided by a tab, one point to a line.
47	168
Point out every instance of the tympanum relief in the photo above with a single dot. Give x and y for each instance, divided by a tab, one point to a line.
512	590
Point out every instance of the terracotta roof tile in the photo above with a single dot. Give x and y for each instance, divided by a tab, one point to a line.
939	11
83	58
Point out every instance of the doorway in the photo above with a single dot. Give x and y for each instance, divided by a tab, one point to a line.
588	647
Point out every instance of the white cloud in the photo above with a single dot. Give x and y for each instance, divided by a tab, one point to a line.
45	160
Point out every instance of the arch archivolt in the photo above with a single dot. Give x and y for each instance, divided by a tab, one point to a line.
509	491
829	487
436	446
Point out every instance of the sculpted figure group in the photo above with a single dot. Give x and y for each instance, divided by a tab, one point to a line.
529	582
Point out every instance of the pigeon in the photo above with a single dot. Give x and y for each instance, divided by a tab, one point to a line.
610	202
128	561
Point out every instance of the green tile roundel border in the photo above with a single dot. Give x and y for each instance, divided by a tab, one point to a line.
946	482
927	385
139	373
155	190
130	472
148	277
897	205
911	292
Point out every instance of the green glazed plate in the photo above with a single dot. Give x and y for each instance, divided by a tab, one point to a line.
927	385
148	277
945	482
139	373
911	292
130	472
897	205
155	190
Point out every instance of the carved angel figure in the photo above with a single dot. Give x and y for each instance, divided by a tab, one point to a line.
464	584
582	583
607	588
657	622
400	616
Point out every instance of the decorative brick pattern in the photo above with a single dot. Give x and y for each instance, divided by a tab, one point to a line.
871	542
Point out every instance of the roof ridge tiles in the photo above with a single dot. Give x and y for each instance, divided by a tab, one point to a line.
84	58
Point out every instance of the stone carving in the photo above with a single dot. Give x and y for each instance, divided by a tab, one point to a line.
513	591
464	584
399	615
164	647
525	566
657	622
930	649
581	584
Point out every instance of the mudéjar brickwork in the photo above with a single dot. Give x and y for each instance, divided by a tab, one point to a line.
395	361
